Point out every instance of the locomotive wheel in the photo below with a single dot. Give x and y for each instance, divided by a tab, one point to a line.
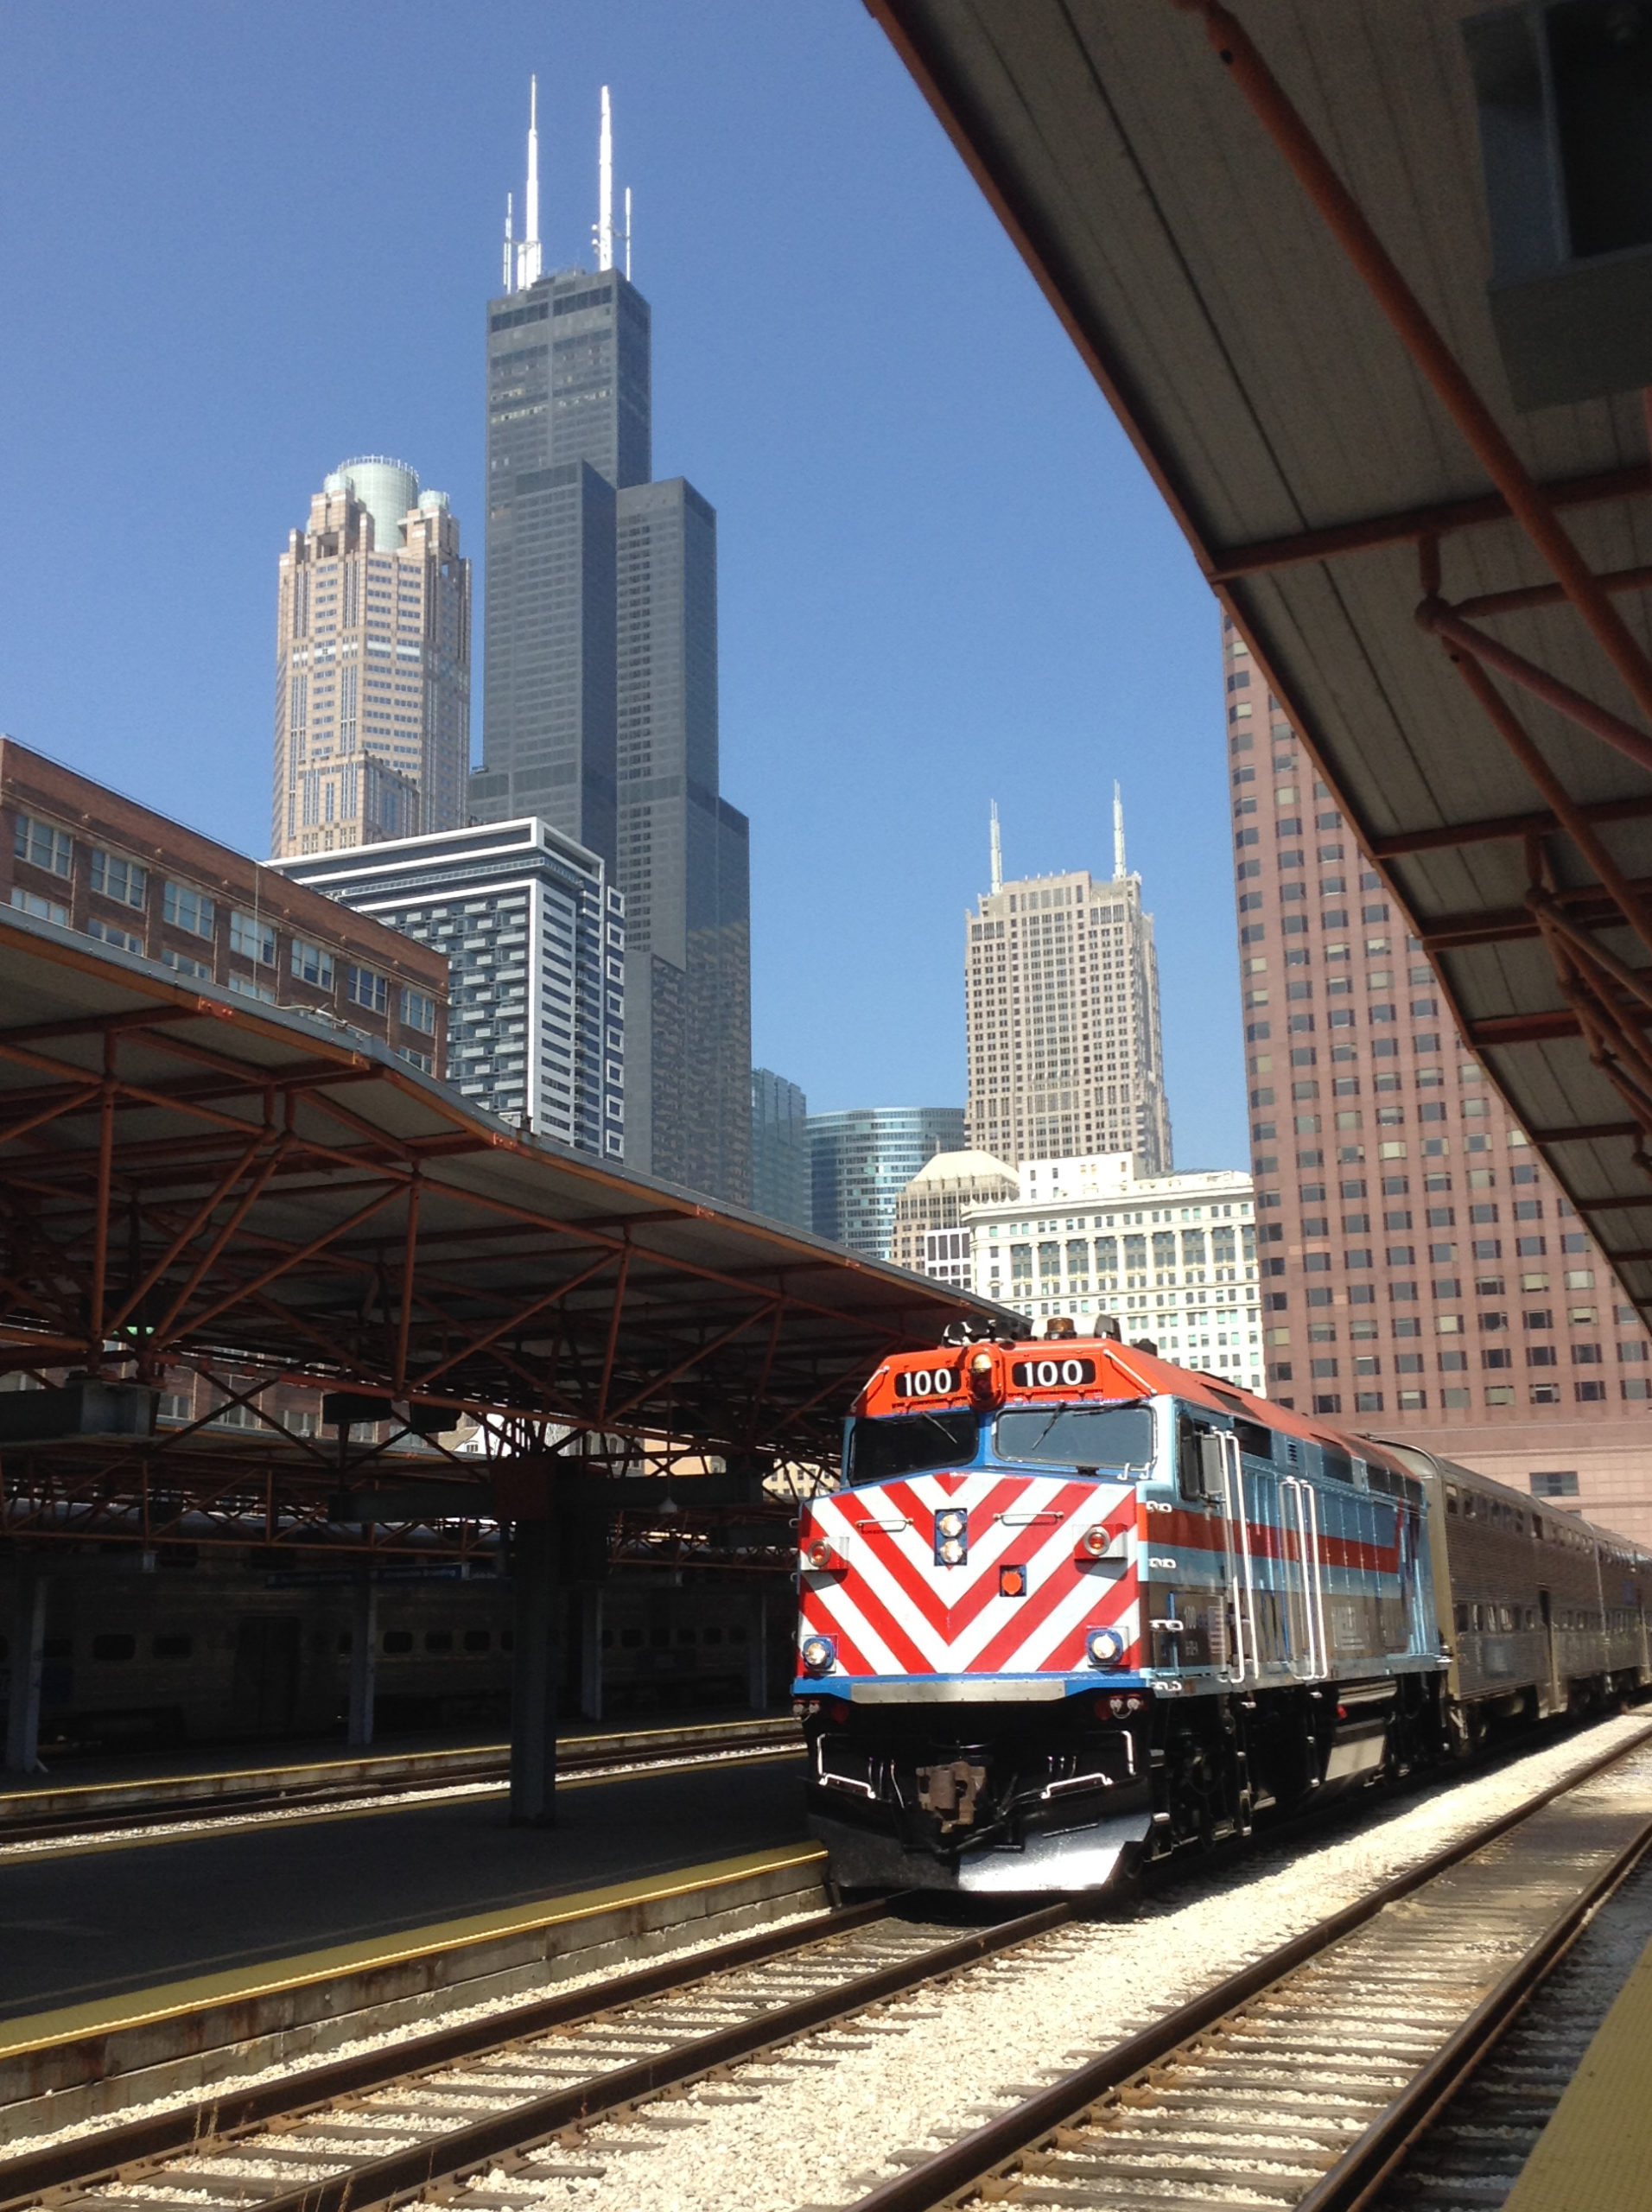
1196	1788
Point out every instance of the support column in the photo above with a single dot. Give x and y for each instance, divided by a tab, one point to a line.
757	1656
364	1660
28	1643
591	1652
534	1675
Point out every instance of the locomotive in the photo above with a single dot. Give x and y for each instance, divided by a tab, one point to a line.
1075	1608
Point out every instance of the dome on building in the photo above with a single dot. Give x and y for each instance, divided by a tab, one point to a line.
961	1168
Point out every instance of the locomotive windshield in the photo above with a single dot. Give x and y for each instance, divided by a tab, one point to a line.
1078	1436
907	1444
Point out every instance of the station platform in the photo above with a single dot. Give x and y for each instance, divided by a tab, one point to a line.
214	1775
1596	2153
105	1918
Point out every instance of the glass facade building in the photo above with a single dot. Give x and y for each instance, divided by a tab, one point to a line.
780	1186
861	1161
599	700
534	937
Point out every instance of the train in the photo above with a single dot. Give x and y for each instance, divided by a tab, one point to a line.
1074	1610
189	1645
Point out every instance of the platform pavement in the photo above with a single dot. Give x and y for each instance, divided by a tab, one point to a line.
98	1919
1596	2153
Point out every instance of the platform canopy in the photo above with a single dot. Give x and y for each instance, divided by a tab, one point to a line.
1270	235
187	1177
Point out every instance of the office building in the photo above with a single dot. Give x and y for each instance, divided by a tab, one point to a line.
1062	1010
372	666
136	883
1422	1275
780	1185
861	1161
534	940
600	684
929	1237
1172	1258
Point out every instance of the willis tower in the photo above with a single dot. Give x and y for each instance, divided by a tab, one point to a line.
599	683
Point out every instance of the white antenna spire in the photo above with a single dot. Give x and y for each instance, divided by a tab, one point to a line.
627	234
528	260
510	254
1119	870
998	855
605	187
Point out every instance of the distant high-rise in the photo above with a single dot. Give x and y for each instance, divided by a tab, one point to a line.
372	666
600	688
861	1161
534	940
780	1150
1422	1273
1062	1010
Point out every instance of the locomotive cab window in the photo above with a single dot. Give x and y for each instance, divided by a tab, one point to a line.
1078	1436
908	1444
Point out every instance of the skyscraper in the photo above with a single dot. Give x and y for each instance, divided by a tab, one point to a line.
1421	1274
372	664
534	939
600	686
1062	1011
780	1185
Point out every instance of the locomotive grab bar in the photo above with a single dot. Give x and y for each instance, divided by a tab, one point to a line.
1235	1536
1302	1502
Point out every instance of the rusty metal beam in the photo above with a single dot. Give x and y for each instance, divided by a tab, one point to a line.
1509	828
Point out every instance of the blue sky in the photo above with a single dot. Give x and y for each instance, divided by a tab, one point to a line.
238	243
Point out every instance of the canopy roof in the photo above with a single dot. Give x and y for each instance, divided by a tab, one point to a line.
1269	240
186	1176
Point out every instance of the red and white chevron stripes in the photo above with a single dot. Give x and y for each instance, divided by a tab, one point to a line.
892	1610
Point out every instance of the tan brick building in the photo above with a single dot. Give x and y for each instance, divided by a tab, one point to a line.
78	855
1422	1275
373	666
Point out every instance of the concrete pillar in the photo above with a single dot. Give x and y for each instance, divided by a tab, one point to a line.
757	1656
534	1675
364	1659
26	1641
591	1652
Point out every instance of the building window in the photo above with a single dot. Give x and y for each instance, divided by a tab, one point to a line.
311	964
115	877
181	962
42	846
252	938
418	1011
1556	1483
366	987
247	987
43	910
106	933
1588	1394
186	908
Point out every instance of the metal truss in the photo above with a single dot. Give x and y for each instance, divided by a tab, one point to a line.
1607	998
175	1205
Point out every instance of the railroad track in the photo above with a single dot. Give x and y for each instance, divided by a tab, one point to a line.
391	2122
1309	2078
488	1772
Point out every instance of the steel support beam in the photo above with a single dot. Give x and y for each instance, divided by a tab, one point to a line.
27	1666
535	1673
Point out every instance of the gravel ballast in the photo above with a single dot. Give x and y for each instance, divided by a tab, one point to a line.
834	2113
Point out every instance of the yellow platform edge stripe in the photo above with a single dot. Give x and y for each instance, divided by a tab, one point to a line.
1596	2153
622	1738
108	2016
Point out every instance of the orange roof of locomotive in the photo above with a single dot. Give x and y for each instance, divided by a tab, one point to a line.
1133	1374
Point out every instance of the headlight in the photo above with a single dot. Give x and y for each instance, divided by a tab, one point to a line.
1105	1647
818	1654
953	1522
951	1536
1095	1542
951	1552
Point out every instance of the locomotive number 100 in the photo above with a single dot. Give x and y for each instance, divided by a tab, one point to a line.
1051	1373
926	1382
